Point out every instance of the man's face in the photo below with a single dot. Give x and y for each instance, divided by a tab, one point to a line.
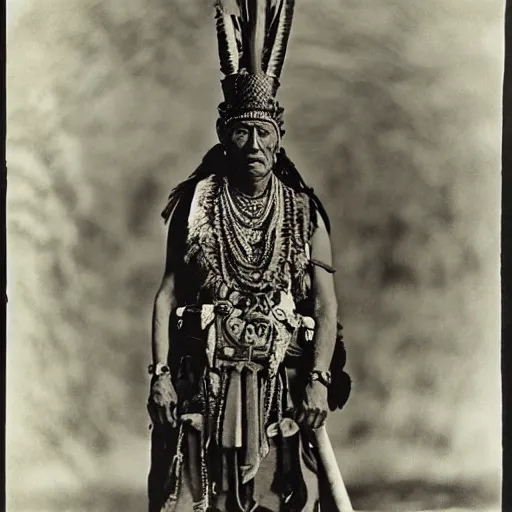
252	146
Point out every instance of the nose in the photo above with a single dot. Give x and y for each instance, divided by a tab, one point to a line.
254	143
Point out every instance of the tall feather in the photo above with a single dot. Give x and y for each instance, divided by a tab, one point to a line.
245	13
273	7
245	27
257	18
273	10
226	37
280	40
240	24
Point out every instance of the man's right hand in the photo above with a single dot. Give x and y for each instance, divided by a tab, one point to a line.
163	401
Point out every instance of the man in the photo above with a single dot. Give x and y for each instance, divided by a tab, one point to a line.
247	357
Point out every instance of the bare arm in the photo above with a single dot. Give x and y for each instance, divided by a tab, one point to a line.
163	399
315	406
165	302
325	302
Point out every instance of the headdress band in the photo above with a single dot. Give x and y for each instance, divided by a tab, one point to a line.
252	38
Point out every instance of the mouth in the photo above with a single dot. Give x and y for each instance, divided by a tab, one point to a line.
254	160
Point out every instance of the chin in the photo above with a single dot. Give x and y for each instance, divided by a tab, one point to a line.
257	169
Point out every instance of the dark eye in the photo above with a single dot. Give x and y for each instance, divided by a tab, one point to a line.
240	132
263	133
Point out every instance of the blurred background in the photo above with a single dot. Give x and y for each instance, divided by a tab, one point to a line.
393	115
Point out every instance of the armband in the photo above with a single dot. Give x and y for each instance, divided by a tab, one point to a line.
326	267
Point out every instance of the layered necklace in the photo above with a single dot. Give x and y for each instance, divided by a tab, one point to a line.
251	242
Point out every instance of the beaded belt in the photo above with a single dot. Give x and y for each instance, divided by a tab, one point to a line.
249	336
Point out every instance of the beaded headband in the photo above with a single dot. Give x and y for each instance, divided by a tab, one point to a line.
252	38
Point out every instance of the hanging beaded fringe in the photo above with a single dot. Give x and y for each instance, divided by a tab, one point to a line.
176	467
200	506
204	474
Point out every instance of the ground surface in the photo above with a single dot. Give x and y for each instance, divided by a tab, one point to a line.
399	497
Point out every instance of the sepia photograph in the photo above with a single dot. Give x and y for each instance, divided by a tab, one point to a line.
253	255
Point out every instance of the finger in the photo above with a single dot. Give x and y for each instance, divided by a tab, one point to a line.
174	413
173	407
313	417
305	419
161	415
171	415
169	418
301	416
319	419
312	414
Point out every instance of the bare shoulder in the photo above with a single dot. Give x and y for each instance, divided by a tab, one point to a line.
321	249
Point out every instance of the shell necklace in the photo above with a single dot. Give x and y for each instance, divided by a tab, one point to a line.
250	242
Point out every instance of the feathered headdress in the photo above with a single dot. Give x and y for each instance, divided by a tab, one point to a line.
252	38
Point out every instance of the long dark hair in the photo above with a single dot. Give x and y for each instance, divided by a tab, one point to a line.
214	162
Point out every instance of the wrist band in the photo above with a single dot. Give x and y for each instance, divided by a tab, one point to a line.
322	377
159	369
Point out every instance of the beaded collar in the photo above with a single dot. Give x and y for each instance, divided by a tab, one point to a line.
255	246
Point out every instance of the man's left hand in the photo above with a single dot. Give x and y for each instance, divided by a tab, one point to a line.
314	407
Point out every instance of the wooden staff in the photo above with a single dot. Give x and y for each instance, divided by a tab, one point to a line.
332	471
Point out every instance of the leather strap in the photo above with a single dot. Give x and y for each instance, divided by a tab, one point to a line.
326	267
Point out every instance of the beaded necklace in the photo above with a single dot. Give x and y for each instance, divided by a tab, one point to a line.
251	240
250	244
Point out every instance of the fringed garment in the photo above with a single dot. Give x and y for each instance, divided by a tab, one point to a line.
239	344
